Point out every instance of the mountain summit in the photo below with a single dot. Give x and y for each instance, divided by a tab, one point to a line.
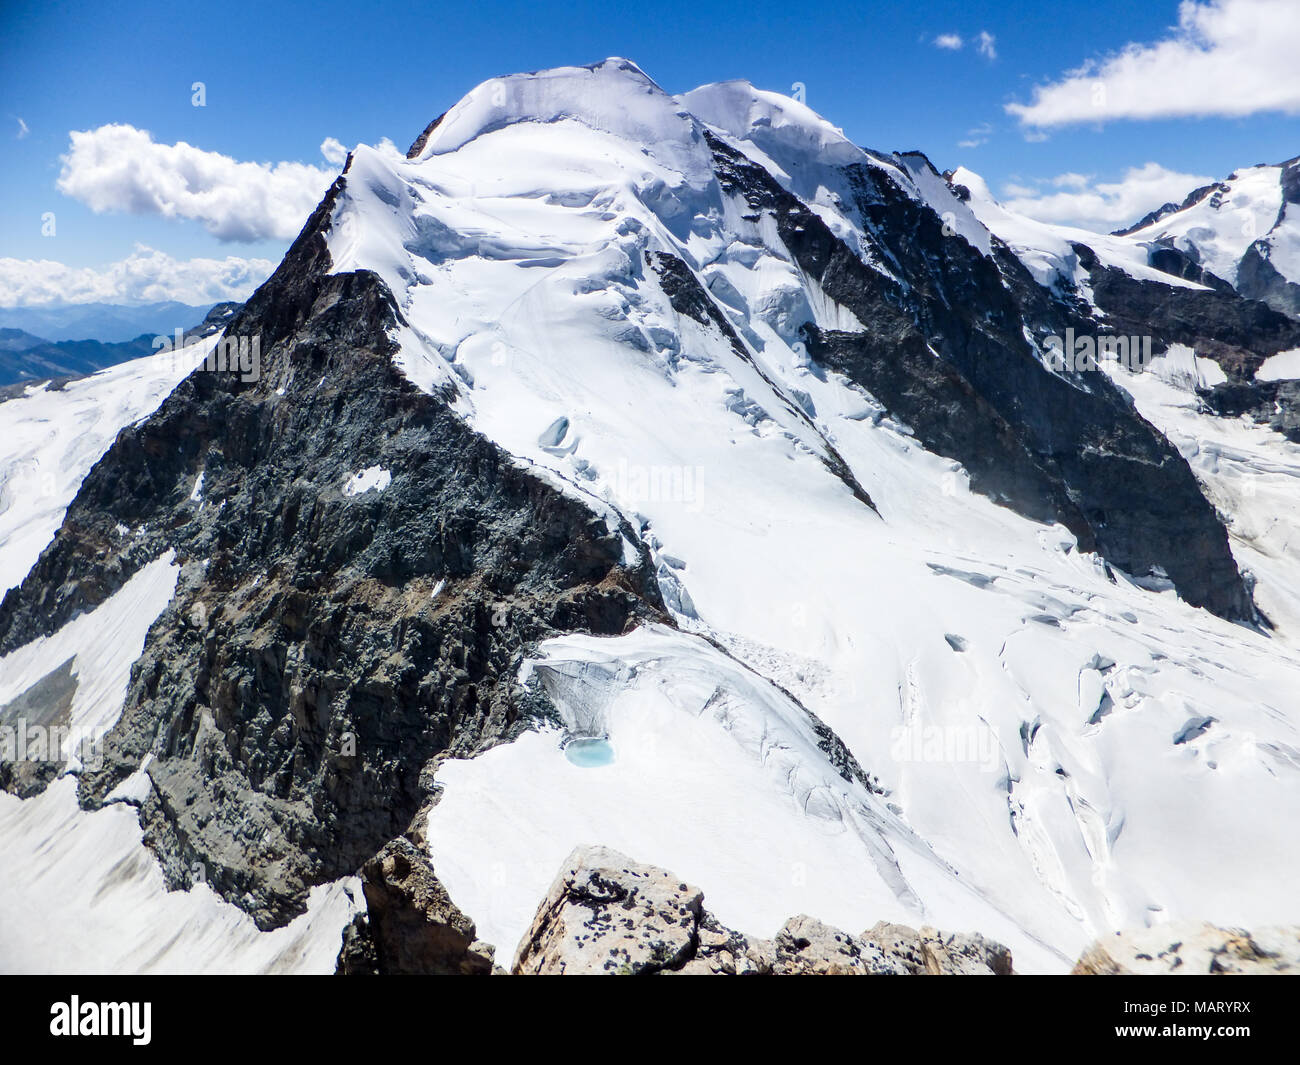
668	473
1244	231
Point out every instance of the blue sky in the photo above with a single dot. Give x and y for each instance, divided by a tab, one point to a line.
281	78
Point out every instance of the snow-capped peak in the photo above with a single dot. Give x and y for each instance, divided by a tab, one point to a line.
1243	230
786	129
1047	250
737	434
615	96
606	276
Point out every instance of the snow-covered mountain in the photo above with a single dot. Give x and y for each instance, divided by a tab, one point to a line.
1141	282
1244	231
668	474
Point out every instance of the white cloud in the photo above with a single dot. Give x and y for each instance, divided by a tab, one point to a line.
1079	200
22	129
333	151
121	168
1071	181
1018	191
977	136
1225	58
145	276
985	43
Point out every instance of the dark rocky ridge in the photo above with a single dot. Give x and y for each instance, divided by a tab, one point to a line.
945	352
1166	257
417	146
300	685
1237	332
1258	279
411	926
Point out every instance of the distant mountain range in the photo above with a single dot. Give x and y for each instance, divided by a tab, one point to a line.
26	356
110	323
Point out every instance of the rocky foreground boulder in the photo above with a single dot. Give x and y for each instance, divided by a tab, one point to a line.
1193	950
607	914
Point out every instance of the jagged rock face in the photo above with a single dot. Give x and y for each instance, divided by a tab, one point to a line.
1239	334
322	647
1259	279
807	947
1194	950
1272	403
1184	263
948	355
608	915
941	954
411	926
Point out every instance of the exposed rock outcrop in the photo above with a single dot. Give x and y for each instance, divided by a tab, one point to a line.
607	914
1193	950
411	926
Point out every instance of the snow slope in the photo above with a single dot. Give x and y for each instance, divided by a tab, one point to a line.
51	439
1046	250
1249	472
81	894
1135	741
1224	223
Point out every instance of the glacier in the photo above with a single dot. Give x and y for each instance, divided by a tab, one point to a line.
882	695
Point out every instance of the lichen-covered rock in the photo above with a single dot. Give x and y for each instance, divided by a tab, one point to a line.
1193	949
936	953
608	914
807	947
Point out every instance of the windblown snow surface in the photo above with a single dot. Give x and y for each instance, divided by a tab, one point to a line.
933	711
1055	754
